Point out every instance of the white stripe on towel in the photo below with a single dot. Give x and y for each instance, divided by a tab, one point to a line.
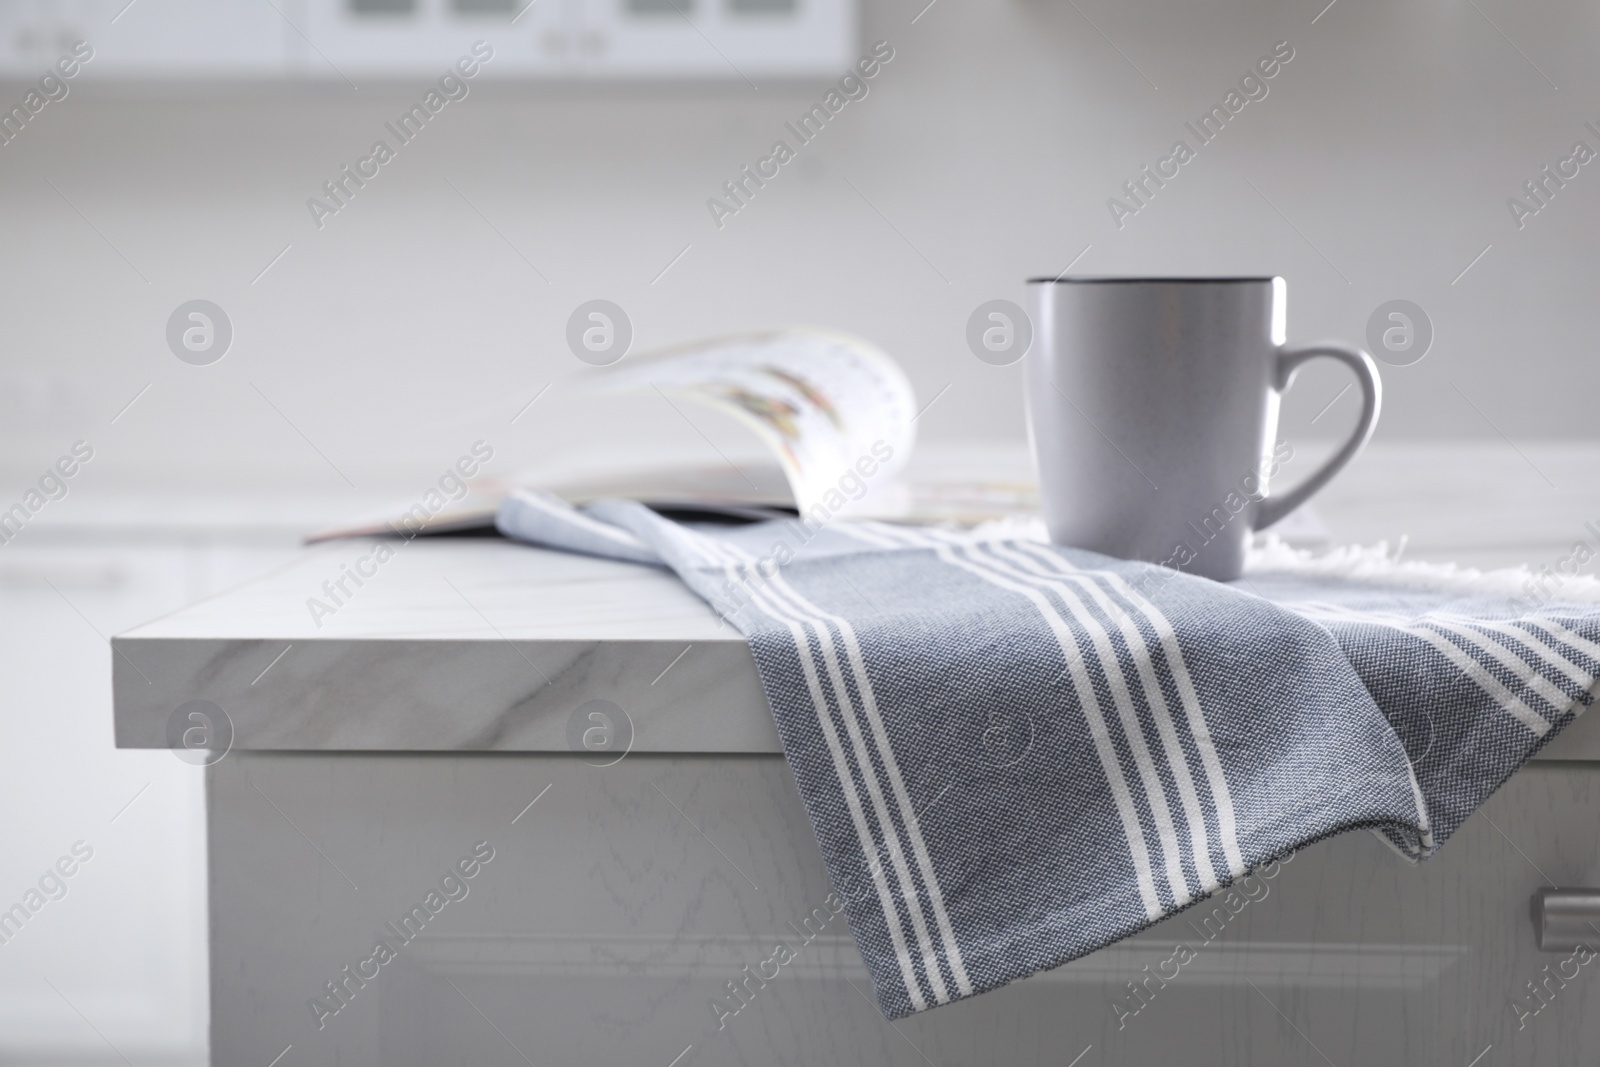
773	592
1039	558
1465	663
1568	637
1194	715
706	554
851	790
1087	701
869	706
1114	673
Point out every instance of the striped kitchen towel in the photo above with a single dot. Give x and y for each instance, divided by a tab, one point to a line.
1014	753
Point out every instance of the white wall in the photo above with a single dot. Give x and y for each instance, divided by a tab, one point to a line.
407	327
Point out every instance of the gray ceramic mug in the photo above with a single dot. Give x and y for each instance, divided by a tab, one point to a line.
1153	412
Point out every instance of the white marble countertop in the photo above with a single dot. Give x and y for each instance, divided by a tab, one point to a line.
481	645
455	643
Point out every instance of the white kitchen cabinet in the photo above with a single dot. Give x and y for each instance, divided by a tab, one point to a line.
444	706
427	716
112	963
358	41
619	905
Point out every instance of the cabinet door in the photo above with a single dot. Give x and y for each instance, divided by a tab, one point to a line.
114	946
175	39
110	959
419	40
736	40
357	41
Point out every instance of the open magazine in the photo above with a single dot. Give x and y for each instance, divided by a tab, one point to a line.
834	414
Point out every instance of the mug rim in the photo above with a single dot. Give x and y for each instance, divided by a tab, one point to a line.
1105	279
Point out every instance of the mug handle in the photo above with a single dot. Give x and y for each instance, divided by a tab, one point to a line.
1277	505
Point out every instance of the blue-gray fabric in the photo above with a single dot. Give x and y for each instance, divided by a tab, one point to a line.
1014	753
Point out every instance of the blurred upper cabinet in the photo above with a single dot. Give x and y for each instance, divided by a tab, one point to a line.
397	40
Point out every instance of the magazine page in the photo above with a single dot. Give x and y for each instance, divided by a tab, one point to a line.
836	412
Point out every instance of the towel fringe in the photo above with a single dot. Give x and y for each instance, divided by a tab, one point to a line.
1376	563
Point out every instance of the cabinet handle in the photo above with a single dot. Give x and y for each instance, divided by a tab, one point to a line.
1566	917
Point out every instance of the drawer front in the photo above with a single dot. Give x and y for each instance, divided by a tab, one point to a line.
630	912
